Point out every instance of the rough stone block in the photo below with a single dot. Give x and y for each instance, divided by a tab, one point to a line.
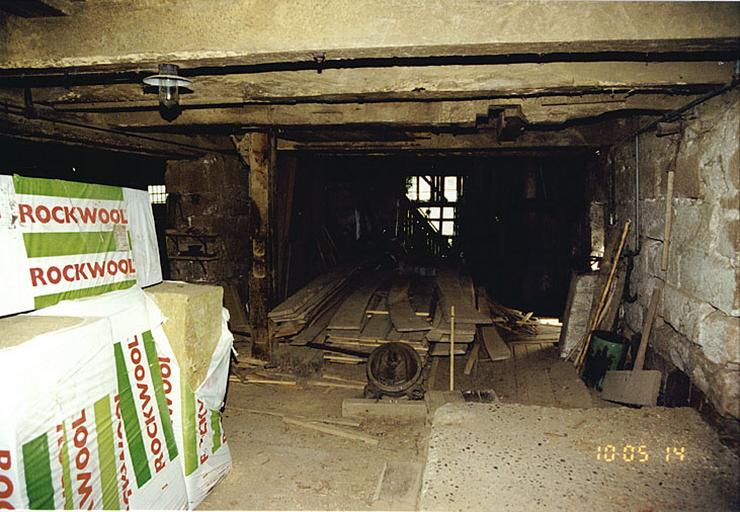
684	312
709	277
652	218
687	221
719	337
727	392
687	181
724	225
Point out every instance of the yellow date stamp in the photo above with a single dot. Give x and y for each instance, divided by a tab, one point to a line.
639	453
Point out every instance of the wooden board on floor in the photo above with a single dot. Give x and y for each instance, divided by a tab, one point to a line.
472	359
494	343
312	293
452	293
351	313
632	387
376	328
422	296
403	316
535	339
318	325
443	349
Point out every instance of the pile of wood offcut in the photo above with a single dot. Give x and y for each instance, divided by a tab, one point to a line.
351	310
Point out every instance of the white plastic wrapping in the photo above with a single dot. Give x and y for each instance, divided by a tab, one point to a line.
64	240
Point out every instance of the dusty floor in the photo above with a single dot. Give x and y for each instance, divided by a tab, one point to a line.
511	457
535	375
278	466
548	451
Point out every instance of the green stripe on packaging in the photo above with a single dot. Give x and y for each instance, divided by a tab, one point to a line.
164	413
66	476
37	470
43	301
131	420
216	428
70	189
189	435
106	453
44	245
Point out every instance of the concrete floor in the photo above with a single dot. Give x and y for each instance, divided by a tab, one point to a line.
512	457
505	456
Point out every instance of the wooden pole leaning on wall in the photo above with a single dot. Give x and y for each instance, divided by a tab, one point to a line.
452	348
259	151
598	313
668	221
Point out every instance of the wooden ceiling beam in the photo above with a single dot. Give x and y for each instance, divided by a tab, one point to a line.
43	124
549	110
198	33
405	83
585	137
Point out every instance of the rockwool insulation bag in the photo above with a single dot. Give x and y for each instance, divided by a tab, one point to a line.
74	434
203	455
198	424
64	240
155	471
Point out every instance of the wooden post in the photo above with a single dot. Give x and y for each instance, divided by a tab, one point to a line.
668	222
452	348
261	152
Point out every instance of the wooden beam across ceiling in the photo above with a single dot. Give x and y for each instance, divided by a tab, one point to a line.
139	34
43	124
405	83
464	114
588	136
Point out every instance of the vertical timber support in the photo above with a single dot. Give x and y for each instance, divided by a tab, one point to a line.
259	151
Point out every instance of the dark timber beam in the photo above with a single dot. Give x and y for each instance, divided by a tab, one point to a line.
44	125
198	33
259	150
467	113
587	136
400	83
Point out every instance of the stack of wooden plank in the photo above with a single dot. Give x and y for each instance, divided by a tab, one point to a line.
311	302
380	325
459	291
348	312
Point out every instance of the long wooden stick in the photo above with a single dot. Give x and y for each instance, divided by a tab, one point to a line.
647	326
598	314
668	222
452	348
357	436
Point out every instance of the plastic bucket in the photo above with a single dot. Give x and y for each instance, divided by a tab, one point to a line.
607	351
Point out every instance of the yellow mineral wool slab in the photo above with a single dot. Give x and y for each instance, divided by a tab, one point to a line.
192	325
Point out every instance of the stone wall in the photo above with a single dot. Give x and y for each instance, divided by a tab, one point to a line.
210	196
697	329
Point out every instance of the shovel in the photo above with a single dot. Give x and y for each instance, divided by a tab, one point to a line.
636	386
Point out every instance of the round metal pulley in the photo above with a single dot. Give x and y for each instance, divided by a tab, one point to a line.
394	369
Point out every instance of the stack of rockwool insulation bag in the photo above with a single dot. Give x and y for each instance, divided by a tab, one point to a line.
100	410
64	240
